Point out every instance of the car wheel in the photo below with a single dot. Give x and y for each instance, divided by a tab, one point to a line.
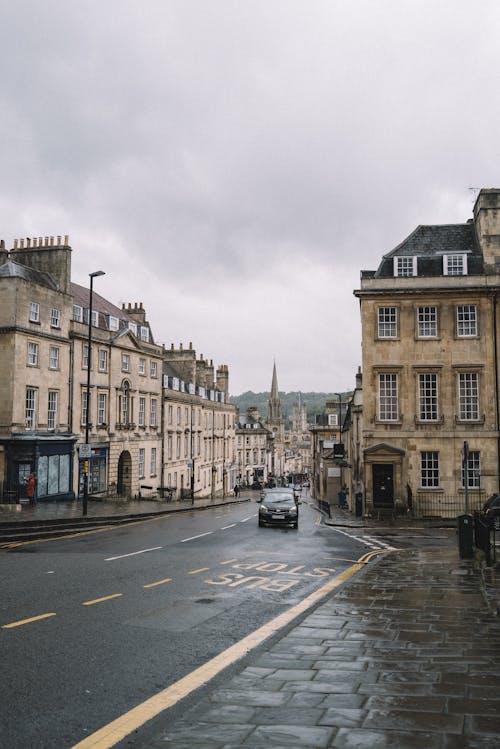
261	524
295	525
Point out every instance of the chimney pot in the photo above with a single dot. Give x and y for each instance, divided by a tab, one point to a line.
21	242
66	239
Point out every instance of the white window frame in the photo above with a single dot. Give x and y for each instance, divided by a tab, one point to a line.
33	354
53	357
103	360
455	264
427	321
388	396
333	420
55	318
430	477
142	462
125	362
387	322
85	404
30	404
142	366
34	312
95	318
153	370
153	415
144	334
52	403
132	326
152	467
428	403
142	411
113	322
468	396
85	356
467	320
404	263
77	313
101	408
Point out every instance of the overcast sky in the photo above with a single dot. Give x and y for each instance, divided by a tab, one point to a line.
235	164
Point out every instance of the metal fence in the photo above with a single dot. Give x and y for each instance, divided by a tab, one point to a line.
444	506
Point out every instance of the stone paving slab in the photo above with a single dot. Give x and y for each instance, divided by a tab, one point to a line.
375	679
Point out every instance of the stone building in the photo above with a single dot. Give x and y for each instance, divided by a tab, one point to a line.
199	426
430	327
253	447
326	464
44	326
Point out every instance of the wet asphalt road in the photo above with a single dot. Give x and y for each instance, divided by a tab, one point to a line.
129	611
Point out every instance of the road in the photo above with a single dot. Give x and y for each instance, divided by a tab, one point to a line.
93	625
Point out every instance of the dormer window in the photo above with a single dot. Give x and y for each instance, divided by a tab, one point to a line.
455	265
144	333
113	323
405	266
77	313
132	326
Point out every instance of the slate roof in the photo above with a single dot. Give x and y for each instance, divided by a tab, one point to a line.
429	243
11	269
81	296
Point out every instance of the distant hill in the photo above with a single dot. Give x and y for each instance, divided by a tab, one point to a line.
315	402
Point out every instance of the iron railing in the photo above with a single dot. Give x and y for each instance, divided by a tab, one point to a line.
486	535
444	506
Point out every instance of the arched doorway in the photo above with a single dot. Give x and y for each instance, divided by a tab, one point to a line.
124	485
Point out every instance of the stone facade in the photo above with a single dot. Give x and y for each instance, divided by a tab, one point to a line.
253	448
430	327
44	329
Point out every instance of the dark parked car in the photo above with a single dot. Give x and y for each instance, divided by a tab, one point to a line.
491	508
279	509
256	485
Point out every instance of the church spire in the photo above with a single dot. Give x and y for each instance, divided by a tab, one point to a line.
274	418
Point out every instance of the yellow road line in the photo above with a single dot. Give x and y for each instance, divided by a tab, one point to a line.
118	729
27	621
202	569
104	598
158	582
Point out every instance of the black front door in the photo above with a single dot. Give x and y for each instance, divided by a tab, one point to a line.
383	484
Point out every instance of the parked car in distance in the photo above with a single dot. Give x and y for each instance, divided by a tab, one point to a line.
279	508
491	508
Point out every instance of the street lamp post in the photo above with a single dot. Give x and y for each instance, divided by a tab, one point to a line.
89	361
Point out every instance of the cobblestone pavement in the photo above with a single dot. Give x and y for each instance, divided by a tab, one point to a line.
406	656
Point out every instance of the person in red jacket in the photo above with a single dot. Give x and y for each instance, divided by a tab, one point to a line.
30	489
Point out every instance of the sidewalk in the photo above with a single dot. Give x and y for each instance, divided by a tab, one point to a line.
406	656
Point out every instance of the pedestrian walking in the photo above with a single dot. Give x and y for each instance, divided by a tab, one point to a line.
30	489
236	491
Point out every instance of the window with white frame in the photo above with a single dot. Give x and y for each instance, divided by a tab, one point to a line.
124	404
53	357
178	414
428	396
34	312
153	371
30	408
125	363
112	322
142	461
429	469
142	366
333	420
85	405
142	411
55	318
95	318
144	333
455	265
85	356
33	354
170	414
388	397
169	447
468	396
52	409
152	469
77	313
102	407
405	266
178	447
466	320
427	322
103	360
473	470
132	326
153	416
387	322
